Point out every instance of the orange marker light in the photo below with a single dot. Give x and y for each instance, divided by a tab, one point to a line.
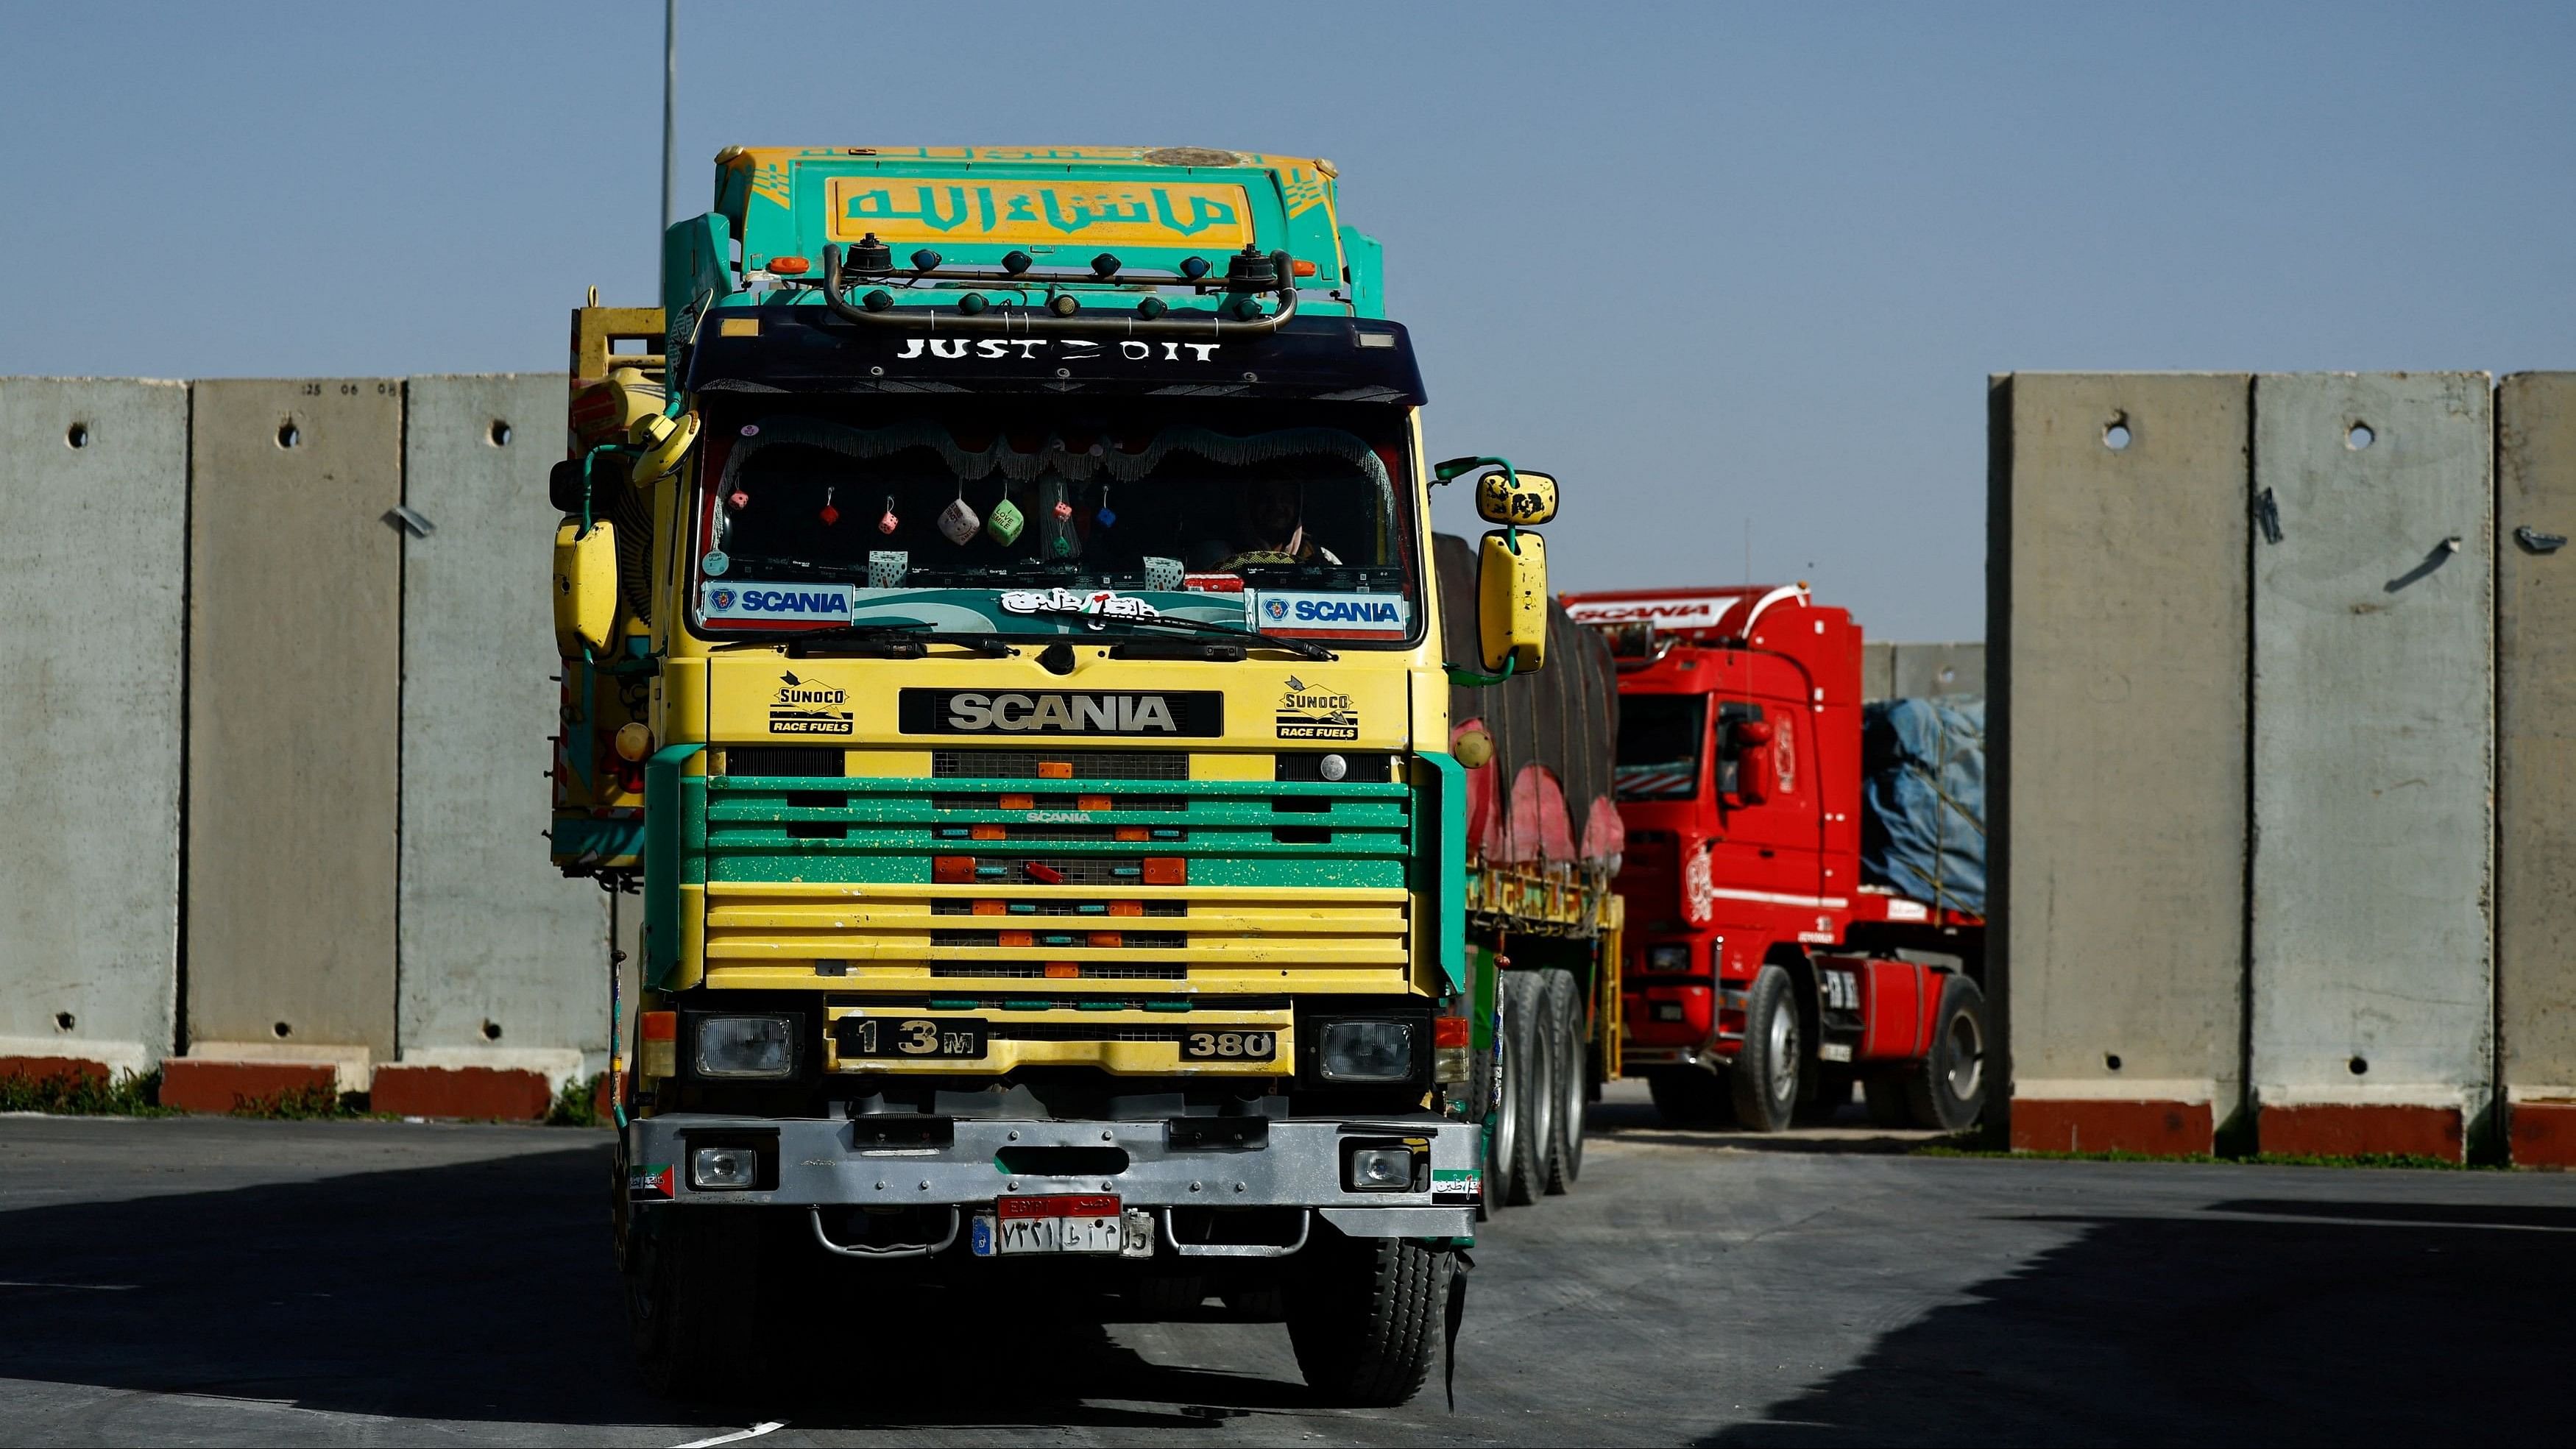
1134	832
1126	908
1062	971
992	908
952	869
987	832
1055	769
1108	940
1022	939
797	266
661	1026
1019	802
1167	870
1453	1031
1303	267
1093	802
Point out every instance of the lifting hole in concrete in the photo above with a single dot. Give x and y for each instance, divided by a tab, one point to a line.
491	1031
2358	1065
282	1029
77	436
2115	436
499	433
288	436
2111	1060
2359	437
1948	674
63	1021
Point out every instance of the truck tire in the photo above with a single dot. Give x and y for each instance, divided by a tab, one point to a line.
1764	1081
1950	1091
1503	1118
1687	1097
1564	1022
1364	1316
692	1300
1525	1016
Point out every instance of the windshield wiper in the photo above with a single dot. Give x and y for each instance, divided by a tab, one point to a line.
1303	649
897	641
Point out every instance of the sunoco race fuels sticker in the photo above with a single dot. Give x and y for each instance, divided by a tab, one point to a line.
1280	612
732	602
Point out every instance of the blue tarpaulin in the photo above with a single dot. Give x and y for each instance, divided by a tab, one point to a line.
1923	799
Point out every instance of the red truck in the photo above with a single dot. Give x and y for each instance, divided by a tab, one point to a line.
1766	971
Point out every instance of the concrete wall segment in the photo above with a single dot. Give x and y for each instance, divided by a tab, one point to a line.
2373	715
497	951
93	572
2536	758
1918	671
2116	732
294	687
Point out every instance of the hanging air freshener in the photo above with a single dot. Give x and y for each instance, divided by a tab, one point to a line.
889	523
830	515
1006	522
751	430
739	499
715	563
958	522
1102	515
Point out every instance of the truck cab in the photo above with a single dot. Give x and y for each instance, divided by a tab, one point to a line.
1766	974
999	647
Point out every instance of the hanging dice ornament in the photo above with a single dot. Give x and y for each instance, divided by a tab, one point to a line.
1005	523
829	514
739	499
1063	511
889	523
959	521
1103	515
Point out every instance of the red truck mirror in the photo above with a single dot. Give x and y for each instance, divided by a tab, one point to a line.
1750	733
1751	741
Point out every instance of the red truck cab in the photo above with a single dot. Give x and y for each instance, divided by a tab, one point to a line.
1764	975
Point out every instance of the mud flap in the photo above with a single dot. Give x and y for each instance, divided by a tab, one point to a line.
1457	1315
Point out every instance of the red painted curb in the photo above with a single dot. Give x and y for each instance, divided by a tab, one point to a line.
2543	1134
2351	1129
2160	1129
201	1086
511	1094
54	1069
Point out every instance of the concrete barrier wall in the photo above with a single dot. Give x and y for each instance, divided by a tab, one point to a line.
2373	715
2117	726
2536	763
503	985
1920	670
93	572
295	652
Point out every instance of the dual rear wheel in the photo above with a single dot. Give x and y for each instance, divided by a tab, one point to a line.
1536	1142
1762	1090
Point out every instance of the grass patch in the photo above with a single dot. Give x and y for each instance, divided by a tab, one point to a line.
577	1104
1964	1145
85	1096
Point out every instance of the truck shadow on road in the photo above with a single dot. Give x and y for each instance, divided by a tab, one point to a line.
486	1291
2255	1321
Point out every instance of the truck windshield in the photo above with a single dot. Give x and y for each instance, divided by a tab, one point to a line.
1660	737
1019	519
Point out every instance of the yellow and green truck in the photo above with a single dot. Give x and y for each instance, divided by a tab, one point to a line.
1000	643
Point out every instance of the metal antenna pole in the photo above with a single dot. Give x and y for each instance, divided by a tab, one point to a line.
670	86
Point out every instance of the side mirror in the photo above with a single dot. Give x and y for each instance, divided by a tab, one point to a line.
1511	602
1505	498
1751	739
585	587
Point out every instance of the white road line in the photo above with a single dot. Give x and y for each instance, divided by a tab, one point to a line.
754	1432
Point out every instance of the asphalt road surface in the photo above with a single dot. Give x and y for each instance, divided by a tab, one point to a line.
219	1282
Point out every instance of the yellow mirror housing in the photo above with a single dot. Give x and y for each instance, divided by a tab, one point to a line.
665	441
585	587
1511	601
1522	498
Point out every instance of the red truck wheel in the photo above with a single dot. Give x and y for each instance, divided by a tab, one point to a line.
1764	1082
1950	1091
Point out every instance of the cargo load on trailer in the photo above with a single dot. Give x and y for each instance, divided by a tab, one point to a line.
1804	881
1000	644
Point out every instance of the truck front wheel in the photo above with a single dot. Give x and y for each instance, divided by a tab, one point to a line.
1950	1092
692	1288
1764	1082
1364	1316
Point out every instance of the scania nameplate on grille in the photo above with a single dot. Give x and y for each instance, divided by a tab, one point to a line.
1170	714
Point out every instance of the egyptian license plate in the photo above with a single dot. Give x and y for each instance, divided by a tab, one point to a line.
1073	1223
911	1036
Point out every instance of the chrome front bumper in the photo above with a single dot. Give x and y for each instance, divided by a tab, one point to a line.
824	1163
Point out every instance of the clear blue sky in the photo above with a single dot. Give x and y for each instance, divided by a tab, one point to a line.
1709	263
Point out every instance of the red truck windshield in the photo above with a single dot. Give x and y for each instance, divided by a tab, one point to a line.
1660	737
